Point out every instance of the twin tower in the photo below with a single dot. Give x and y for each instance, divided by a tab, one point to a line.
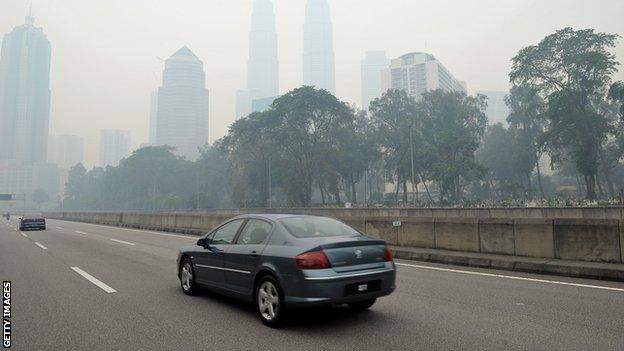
179	114
263	66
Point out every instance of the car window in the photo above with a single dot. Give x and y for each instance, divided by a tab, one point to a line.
255	232
226	233
314	227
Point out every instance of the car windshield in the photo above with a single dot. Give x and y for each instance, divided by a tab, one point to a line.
314	227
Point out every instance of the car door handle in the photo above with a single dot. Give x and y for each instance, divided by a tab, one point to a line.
220	251
253	254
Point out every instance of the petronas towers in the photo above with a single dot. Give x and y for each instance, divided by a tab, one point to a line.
263	66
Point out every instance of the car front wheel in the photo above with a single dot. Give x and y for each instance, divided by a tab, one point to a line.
270	302
187	277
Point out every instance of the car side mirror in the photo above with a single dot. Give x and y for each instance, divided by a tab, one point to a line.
201	242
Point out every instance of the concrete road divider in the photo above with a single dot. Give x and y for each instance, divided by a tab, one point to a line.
586	234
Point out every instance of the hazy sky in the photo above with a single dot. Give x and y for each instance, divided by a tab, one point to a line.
105	53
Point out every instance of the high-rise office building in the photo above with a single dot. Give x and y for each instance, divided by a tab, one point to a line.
24	94
497	110
262	75
65	150
371	66
262	65
417	73
114	145
318	47
153	117
182	116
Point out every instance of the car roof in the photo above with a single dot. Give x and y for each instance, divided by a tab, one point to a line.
273	216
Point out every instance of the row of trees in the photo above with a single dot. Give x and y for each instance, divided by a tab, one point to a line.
310	147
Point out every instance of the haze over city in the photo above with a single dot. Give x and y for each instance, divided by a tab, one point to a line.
106	55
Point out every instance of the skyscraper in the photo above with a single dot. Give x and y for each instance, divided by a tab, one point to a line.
497	110
418	72
153	117
262	65
182	116
114	145
318	47
371	66
262	75
24	94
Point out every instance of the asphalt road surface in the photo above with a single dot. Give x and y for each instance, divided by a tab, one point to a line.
80	286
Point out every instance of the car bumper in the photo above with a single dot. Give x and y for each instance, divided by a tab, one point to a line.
33	227
338	288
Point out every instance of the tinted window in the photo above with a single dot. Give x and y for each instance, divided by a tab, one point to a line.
311	227
227	232
255	232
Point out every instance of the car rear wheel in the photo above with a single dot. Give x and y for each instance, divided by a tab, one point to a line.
361	305
270	302
187	277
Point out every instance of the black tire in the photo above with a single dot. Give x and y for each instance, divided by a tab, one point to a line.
361	306
186	274
268	292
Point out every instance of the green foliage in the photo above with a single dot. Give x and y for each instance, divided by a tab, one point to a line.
453	125
571	70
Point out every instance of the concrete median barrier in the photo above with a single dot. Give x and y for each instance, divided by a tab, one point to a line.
532	233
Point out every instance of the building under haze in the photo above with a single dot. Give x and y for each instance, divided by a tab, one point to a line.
24	94
114	145
418	72
65	150
371	66
182	116
318	47
262	65
153	117
497	110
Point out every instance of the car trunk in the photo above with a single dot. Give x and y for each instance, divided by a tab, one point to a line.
355	255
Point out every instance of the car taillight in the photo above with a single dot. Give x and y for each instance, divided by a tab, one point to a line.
388	254
312	260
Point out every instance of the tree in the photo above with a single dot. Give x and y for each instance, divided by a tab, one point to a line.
74	187
398	128
616	93
495	153
355	151
571	70
453	125
308	124
526	125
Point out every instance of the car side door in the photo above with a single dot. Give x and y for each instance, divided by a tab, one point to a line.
243	257
209	261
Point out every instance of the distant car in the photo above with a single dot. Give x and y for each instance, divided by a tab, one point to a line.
285	261
7	216
32	222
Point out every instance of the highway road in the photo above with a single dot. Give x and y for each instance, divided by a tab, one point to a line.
79	286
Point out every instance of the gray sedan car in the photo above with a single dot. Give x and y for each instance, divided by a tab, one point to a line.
286	261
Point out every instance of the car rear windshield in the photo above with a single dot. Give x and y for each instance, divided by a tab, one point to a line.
316	227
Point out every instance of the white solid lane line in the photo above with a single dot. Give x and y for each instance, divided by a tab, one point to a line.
145	231
41	246
24	235
510	277
94	280
123	242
